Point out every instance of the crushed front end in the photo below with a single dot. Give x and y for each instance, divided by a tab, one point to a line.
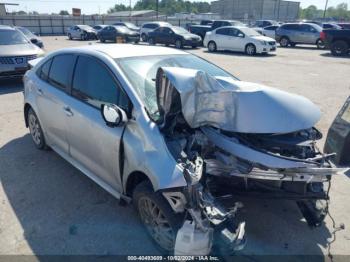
236	138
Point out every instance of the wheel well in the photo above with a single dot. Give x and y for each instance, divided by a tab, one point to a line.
249	44
134	179
25	111
211	41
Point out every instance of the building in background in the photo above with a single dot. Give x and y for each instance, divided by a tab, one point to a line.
250	10
200	16
3	8
139	13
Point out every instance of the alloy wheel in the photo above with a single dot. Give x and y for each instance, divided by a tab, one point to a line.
34	128
178	44
250	49
284	42
156	223
211	47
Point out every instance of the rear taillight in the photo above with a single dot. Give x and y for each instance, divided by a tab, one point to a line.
323	35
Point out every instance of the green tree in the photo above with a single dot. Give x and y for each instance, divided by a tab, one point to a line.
117	8
63	12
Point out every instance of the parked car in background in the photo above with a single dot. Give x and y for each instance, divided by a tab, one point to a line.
148	27
344	25
173	35
206	22
265	23
82	32
328	25
15	52
238	38
31	36
201	30
269	31
129	25
98	28
291	34
112	32
338	41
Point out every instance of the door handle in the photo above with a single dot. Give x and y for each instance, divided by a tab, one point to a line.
68	111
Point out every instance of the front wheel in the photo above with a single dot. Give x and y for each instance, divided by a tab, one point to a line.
178	44
250	49
84	36
161	222
144	38
70	37
35	130
339	48
320	44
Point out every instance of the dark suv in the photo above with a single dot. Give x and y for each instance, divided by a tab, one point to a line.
299	33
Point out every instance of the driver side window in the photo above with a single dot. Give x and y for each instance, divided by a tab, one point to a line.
94	84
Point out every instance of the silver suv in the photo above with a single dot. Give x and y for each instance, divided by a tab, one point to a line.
177	135
291	34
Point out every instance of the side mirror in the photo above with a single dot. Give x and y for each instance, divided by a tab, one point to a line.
241	35
33	41
113	115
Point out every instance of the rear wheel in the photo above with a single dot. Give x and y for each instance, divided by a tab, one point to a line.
35	130
151	41
339	48
70	37
284	42
161	222
211	46
250	49
84	36
178	44
320	44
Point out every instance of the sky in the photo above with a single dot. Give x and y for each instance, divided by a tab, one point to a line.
101	6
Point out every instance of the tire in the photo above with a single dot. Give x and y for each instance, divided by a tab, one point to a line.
147	203
178	44
250	49
36	131
84	36
102	40
339	48
144	38
151	41
284	42
212	46
293	44
70	37
194	46
314	211
320	44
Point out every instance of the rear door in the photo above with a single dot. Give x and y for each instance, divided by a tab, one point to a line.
93	144
55	77
223	38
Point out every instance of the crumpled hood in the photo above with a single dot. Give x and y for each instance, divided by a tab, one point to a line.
229	104
20	50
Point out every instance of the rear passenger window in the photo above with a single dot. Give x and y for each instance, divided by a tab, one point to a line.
223	31
94	84
43	71
61	70
290	27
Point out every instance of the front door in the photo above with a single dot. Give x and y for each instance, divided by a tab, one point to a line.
92	143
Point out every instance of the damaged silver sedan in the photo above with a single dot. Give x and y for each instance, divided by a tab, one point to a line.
179	137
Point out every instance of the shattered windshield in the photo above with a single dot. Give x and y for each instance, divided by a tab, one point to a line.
141	72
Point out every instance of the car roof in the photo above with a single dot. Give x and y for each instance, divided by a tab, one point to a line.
157	22
6	27
126	50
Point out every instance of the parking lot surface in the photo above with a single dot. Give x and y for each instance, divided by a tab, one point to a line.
48	207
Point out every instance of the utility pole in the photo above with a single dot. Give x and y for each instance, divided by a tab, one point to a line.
129	10
325	10
157	6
